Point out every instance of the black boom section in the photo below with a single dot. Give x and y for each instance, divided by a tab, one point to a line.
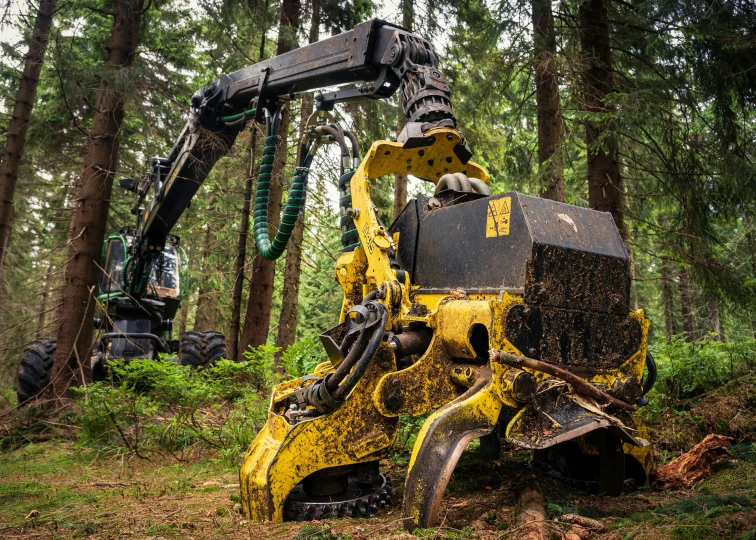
382	58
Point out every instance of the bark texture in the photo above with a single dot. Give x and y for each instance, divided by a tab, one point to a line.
240	264
287	322
206	315
605	184
686	303
15	139
400	180
92	202
260	305
550	134
667	300
532	519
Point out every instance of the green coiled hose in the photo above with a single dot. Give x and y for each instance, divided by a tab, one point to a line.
239	116
267	249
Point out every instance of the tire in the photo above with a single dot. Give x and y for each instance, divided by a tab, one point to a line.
35	369
200	348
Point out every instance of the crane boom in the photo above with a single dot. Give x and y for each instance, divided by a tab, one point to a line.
381	57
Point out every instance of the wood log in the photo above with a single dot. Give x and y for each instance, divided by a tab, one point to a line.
532	520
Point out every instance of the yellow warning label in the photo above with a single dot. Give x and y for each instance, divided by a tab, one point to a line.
499	211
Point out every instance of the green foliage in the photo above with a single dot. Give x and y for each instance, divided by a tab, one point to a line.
689	369
159	406
303	357
262	362
705	505
409	427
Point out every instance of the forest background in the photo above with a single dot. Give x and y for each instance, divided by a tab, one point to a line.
643	109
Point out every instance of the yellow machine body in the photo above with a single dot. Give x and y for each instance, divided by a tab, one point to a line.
463	394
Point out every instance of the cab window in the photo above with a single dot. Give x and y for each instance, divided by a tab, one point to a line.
164	278
115	259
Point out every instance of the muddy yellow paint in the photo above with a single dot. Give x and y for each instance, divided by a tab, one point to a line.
364	428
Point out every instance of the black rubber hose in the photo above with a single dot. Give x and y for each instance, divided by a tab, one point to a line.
338	137
359	369
355	145
648	384
354	354
356	348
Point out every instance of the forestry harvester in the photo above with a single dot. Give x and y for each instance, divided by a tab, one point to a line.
495	316
144	277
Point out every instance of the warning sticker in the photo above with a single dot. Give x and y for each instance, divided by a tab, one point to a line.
499	211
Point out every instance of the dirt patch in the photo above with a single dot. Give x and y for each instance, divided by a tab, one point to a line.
79	493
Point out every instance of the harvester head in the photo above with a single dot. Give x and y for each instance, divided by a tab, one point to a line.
503	314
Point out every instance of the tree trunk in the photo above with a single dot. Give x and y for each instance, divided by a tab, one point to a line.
551	168
287	321
260	305
686	302
241	249
716	323
15	140
400	180
241	252
752	252
43	302
205	318
92	202
667	300
605	184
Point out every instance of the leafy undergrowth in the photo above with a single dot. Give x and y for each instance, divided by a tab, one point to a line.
703	388
154	455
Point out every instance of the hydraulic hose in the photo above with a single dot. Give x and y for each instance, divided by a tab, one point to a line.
350	238
354	348
355	351
267	249
358	371
231	119
648	384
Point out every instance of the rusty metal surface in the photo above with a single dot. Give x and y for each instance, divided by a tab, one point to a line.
440	443
557	416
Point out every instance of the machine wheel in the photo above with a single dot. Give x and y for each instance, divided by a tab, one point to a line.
34	369
359	500
97	363
201	347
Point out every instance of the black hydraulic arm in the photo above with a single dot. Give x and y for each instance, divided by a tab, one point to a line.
379	56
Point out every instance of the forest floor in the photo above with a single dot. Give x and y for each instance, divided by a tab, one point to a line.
60	490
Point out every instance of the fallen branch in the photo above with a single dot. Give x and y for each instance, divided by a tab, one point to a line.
106	484
580	385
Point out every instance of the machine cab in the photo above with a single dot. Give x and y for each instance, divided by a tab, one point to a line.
168	279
